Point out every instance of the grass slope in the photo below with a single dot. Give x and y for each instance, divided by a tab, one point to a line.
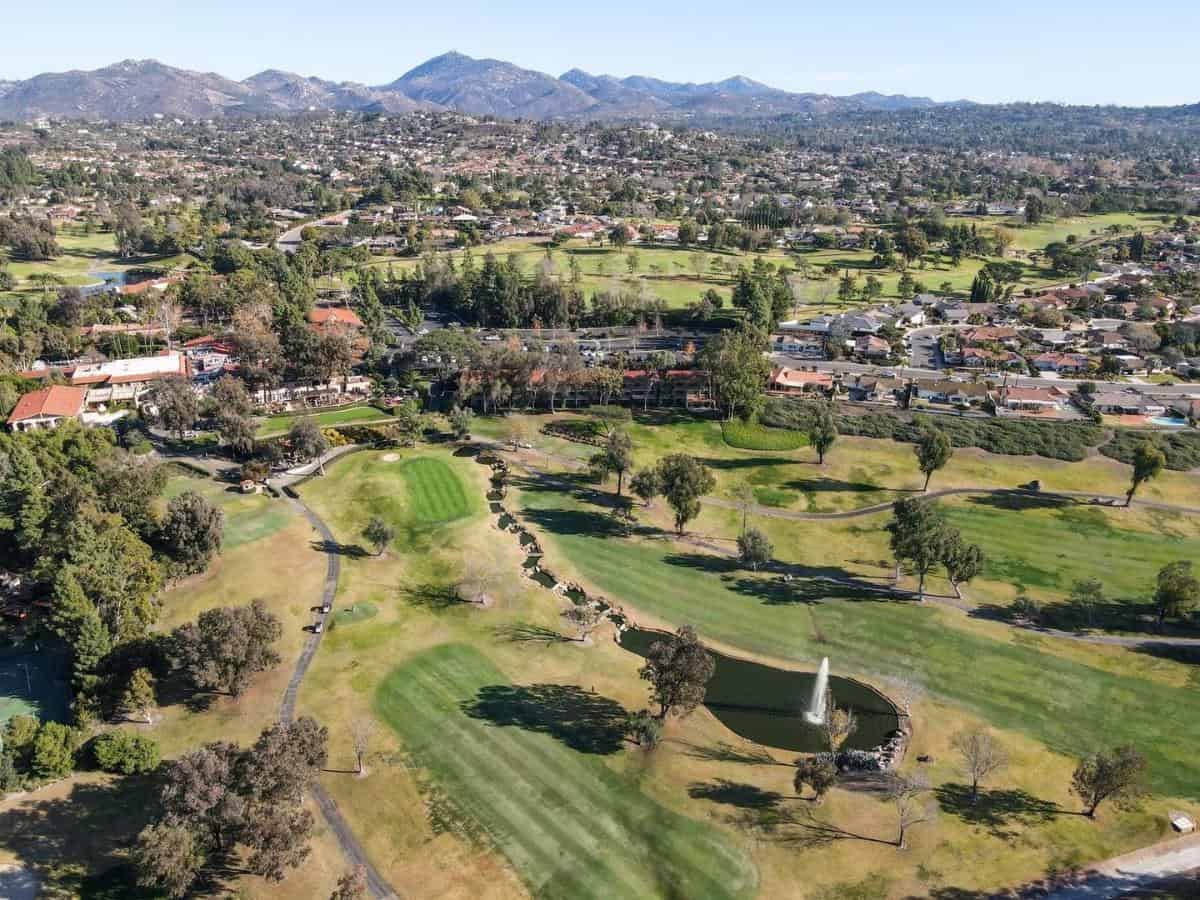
353	415
570	826
1054	548
248	517
1068	705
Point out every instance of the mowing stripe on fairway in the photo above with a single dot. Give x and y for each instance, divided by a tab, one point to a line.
1071	707
435	493
570	825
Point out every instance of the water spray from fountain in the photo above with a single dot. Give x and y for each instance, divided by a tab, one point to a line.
816	706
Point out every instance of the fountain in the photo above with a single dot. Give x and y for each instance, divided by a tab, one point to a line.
816	706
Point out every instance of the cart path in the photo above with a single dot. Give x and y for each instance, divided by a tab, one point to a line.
354	852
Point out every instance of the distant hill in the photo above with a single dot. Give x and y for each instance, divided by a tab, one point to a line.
136	89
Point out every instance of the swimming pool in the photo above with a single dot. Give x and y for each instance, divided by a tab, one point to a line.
1169	422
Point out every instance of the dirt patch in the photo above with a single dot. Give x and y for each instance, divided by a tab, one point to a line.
390	457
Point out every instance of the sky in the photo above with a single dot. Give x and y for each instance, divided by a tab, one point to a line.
1102	51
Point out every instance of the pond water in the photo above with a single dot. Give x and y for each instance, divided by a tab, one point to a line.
766	705
105	281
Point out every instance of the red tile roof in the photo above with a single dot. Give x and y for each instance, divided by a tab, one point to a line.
57	400
330	315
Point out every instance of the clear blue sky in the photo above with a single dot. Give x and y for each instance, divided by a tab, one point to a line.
988	50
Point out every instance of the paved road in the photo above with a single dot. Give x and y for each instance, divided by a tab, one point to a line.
1014	380
351	848
1122	875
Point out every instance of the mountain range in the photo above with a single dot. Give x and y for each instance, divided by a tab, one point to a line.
136	89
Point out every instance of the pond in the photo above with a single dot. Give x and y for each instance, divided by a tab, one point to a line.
766	705
105	281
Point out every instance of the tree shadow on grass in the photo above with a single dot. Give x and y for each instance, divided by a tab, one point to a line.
434	596
832	485
525	633
582	521
582	720
807	584
746	462
996	809
68	840
353	551
1019	500
734	793
724	752
1188	655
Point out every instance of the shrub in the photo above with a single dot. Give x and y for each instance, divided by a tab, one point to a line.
1182	449
645	729
753	436
53	751
1015	437
126	752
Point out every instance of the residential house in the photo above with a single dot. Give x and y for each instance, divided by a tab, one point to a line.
335	316
872	347
1126	402
957	393
979	358
785	380
876	389
1004	335
48	407
1062	363
1033	399
798	345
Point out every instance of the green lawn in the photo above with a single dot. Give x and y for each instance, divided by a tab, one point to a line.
350	415
436	495
1069	706
570	826
1053	547
752	436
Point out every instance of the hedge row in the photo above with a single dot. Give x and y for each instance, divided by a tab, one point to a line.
1016	437
754	436
1181	448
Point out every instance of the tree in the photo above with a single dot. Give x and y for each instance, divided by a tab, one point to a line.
168	857
818	772
744	497
615	456
126	752
307	442
53	751
908	796
684	481
1035	208
225	646
912	243
1085	597
379	534
1148	463
460	422
352	885
1177	592
230	398
408	424
933	451
678	669
822	431
361	731
754	549
838	724
739	370
644	729
139	698
647	484
176	404
192	531
1115	776
963	561
278	839
238	432
918	534
982	756
284	760
1004	239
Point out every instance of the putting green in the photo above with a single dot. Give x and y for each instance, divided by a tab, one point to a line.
570	826
436	495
